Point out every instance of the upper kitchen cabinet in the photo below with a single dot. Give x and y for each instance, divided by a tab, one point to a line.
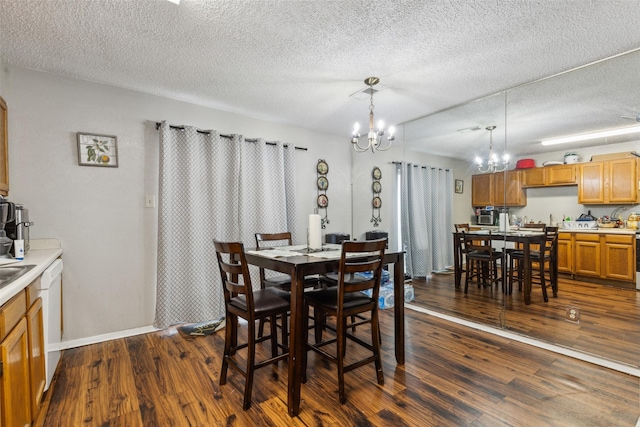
508	192
482	190
4	149
608	182
549	176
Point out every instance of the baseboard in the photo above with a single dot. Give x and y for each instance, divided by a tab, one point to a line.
105	337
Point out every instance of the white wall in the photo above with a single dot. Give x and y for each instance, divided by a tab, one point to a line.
98	213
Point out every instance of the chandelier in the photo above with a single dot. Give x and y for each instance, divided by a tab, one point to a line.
493	164
374	137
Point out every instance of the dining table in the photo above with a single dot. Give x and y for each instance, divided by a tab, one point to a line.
524	238
299	262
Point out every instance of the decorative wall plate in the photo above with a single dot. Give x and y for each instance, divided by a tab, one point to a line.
323	183
376	187
376	202
323	201
377	173
323	167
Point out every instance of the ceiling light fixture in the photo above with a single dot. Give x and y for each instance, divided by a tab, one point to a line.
493	164
593	135
374	137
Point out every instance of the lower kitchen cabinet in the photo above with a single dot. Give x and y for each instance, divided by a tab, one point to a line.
22	374
598	255
16	403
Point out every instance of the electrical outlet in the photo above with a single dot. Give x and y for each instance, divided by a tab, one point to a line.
150	201
572	314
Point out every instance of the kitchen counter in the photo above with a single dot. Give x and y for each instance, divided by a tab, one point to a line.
569	230
41	254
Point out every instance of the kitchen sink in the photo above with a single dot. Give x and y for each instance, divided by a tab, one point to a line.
10	273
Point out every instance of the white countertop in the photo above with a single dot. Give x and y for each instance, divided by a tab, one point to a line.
572	230
42	253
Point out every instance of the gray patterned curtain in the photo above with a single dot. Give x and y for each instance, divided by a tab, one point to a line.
213	187
426	207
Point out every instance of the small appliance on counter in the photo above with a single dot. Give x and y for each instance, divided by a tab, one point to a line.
487	216
7	214
18	227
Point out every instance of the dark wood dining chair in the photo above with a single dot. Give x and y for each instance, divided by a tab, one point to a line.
481	260
514	255
241	301
347	300
270	279
542	264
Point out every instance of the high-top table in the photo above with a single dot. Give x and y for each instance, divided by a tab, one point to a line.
299	266
526	238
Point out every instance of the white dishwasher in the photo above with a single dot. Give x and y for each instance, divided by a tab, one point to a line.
51	294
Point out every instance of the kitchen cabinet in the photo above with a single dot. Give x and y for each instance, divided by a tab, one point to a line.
489	189
619	257
549	176
609	182
609	257
565	253
4	149
482	190
22	377
15	406
509	193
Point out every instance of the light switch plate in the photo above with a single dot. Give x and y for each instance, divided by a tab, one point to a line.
150	201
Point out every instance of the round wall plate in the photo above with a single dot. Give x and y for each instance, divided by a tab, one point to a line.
376	187
323	167
376	202
376	173
323	201
323	183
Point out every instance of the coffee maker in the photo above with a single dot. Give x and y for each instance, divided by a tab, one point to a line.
7	214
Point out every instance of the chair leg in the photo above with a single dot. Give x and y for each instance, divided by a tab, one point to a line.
340	331
469	273
375	340
273	335
305	344
251	361
228	335
318	322
543	282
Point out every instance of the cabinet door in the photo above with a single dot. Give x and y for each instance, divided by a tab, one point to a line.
560	175
16	405
619	257
533	177
565	255
591	186
622	185
35	331
588	258
482	190
512	189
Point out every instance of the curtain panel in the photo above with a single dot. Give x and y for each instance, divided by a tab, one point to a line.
213	187
426	208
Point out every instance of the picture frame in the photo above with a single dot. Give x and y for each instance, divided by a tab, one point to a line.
96	149
459	186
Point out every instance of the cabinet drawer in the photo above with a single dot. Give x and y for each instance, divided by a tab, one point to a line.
584	237
620	238
32	292
11	313
564	236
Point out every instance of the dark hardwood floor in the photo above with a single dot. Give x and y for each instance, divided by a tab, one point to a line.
609	323
453	376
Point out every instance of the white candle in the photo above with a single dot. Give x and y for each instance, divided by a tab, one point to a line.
315	240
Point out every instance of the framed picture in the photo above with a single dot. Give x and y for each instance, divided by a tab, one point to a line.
97	150
459	185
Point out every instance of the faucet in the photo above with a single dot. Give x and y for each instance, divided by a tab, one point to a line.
616	210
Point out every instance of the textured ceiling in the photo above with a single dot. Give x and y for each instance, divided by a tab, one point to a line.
298	62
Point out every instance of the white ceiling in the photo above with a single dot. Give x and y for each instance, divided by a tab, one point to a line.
297	62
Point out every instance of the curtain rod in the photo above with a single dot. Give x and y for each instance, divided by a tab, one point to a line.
423	167
229	136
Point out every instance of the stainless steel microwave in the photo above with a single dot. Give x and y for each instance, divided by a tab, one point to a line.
487	217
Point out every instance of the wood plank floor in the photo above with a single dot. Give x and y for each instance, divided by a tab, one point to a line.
609	317
453	376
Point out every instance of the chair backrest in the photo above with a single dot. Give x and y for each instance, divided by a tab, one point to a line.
234	271
267	240
361	257
477	243
551	237
539	225
460	227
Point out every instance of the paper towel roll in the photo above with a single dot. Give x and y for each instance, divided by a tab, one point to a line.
503	221
315	239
